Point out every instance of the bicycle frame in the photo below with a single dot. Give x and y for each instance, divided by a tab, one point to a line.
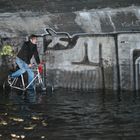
24	87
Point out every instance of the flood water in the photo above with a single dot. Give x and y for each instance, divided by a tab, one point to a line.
70	115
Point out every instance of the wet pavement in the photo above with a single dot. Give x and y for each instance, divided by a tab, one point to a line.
70	115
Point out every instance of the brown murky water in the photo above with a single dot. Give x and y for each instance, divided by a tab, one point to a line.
70	115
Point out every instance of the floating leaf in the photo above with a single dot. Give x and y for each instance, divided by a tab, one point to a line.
35	118
13	135
44	123
42	137
17	119
5	114
3	123
30	127
22	136
17	136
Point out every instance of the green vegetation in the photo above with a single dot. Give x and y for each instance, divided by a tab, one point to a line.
6	50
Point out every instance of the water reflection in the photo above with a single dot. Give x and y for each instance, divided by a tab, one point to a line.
30	96
70	115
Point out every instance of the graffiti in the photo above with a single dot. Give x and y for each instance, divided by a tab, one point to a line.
63	41
58	40
86	60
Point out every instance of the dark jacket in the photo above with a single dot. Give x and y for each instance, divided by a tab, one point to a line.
27	51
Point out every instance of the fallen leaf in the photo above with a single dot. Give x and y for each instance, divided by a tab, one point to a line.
3	123
18	119
30	127
35	118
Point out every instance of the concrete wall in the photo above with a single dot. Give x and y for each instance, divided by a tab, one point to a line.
79	66
128	50
23	23
85	59
77	62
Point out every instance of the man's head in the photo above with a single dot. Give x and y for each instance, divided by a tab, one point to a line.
33	38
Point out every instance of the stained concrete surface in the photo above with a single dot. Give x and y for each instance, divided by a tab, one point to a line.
62	6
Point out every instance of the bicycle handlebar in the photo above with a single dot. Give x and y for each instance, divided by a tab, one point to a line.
38	67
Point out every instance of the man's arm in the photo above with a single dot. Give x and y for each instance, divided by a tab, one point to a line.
36	55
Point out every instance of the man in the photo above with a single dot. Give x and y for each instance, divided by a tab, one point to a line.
23	58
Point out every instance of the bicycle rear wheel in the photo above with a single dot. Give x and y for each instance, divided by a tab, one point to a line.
6	86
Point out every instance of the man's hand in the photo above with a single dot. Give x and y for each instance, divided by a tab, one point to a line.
30	65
